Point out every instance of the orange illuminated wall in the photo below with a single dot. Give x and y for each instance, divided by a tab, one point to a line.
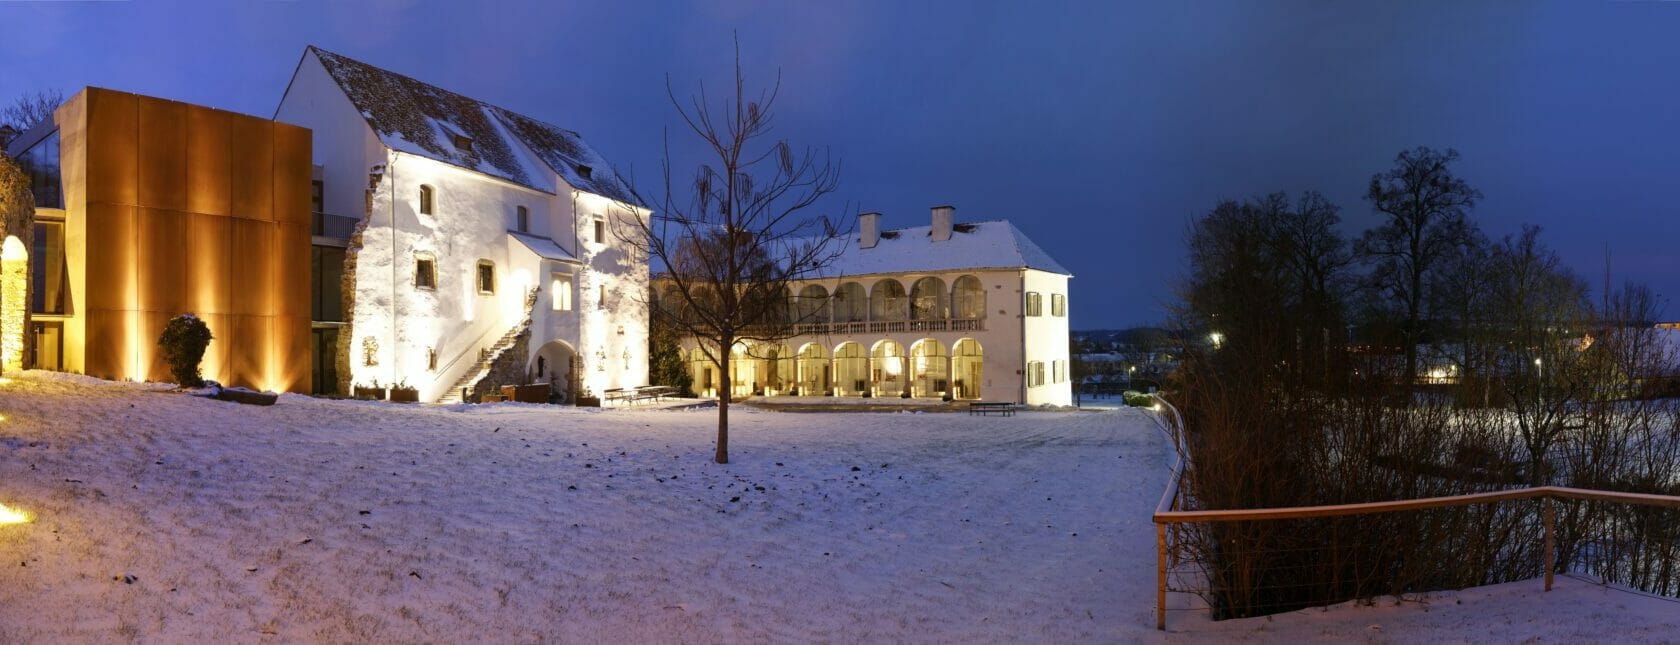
191	209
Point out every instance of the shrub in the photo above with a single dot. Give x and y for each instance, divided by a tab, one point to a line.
183	342
1138	399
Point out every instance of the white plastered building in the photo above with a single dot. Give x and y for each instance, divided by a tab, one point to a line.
969	311
464	225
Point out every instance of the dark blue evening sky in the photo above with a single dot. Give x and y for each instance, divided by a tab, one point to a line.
1099	128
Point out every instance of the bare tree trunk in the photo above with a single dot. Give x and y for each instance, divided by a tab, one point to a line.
725	387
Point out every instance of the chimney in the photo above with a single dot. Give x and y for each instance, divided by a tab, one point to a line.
942	216
869	230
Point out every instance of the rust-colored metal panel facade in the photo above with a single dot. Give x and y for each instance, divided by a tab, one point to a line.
191	209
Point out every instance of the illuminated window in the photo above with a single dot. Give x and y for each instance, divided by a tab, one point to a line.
600	230
486	277
561	292
1058	305
425	271
427	195
521	219
1035	304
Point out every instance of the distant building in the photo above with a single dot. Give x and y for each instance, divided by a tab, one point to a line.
966	310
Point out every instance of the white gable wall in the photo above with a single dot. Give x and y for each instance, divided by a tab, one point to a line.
344	146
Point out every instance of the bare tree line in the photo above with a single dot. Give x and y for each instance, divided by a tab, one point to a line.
1313	395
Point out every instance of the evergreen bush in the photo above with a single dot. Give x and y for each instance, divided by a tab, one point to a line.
183	342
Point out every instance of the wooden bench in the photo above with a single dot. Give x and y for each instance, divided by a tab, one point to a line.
983	408
654	393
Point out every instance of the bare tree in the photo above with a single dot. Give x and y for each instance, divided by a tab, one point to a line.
31	109
1426	208
735	238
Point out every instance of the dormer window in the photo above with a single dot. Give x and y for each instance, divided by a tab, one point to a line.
585	171
427	196
462	142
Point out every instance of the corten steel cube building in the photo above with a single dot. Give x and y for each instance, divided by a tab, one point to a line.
148	208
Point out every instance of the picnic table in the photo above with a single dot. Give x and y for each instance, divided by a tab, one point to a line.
638	394
984	408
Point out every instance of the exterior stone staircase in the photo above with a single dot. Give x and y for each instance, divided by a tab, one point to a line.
487	355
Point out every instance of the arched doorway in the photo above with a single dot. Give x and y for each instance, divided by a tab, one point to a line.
556	365
886	368
813	370
703	373
929	369
14	306
775	369
851	370
966	361
743	371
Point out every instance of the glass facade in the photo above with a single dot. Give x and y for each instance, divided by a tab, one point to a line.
40	162
326	294
49	274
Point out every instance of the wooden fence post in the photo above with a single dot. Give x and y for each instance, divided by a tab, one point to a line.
1161	577
1550	550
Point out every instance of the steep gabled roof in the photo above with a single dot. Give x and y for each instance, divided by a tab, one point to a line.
979	245
419	118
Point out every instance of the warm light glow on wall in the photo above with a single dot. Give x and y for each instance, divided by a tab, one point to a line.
14	286
9	515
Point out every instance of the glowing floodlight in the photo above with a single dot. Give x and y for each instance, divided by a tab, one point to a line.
9	515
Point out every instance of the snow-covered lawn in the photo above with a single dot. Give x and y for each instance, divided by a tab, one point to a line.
171	518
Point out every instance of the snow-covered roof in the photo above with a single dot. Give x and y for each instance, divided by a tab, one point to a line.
545	248
978	245
423	119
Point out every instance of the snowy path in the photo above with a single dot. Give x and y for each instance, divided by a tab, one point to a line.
346	521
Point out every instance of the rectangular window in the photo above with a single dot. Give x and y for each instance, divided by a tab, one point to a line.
317	197
601	296
40	162
600	231
1058	305
560	292
326	288
1035	373
486	277
425	271
522	219
1035	304
48	272
427	196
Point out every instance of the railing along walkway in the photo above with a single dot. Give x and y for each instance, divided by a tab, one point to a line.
1166	513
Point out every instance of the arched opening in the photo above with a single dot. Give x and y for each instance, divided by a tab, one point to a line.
966	360
930	374
556	365
14	304
927	299
703	373
886	368
775	369
743	371
851	370
851	304
813	370
968	298
813	304
887	301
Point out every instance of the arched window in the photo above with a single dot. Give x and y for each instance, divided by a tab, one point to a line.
886	366
850	303
927	299
968	298
930	374
887	301
967	361
813	304
851	369
427	197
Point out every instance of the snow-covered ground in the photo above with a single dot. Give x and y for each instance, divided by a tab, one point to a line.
172	518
